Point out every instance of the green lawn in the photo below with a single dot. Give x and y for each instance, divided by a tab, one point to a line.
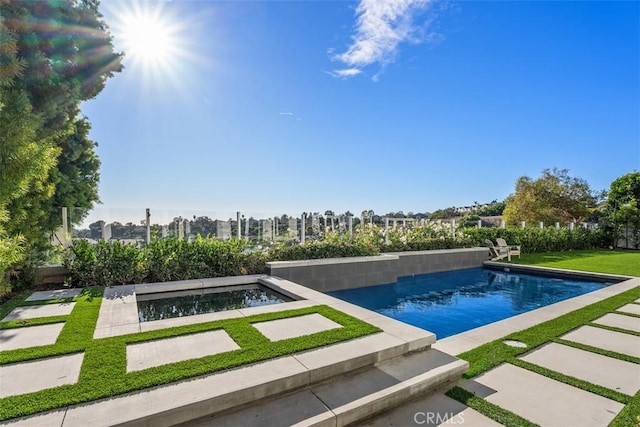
600	261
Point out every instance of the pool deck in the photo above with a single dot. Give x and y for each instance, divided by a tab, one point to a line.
343	383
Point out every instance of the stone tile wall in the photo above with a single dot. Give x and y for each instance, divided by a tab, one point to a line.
333	274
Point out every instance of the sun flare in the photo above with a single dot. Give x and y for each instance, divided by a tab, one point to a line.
147	38
152	38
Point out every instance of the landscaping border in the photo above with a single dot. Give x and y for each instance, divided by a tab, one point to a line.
103	373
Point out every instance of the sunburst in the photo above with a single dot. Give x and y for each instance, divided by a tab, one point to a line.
153	40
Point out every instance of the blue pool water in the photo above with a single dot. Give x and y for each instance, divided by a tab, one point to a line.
451	302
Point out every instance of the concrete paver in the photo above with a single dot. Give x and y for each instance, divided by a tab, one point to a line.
55	294
45	419
27	377
292	327
629	323
456	344
170	350
605	339
433	410
630	308
606	371
542	400
189	320
32	336
35	311
274	308
118	312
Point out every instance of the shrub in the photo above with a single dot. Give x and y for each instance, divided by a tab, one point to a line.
113	263
81	263
547	239
104	264
321	249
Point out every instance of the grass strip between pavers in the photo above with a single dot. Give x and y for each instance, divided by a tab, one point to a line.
103	372
488	409
39	321
624	313
598	350
614	329
494	353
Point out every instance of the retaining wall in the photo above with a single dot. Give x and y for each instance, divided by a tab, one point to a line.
51	275
333	274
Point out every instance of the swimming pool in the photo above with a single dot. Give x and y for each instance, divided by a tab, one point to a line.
452	302
167	305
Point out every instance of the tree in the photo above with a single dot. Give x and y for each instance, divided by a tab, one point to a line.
204	226
443	213
66	56
24	164
622	208
469	220
67	52
554	197
96	229
495	208
76	177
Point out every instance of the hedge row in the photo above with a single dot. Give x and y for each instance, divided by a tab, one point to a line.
548	239
114	263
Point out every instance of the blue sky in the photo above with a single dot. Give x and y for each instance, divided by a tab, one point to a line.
292	106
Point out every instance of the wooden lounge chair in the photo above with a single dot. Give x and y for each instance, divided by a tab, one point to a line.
497	253
510	249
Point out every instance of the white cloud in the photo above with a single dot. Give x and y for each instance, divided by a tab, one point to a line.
347	72
286	114
381	26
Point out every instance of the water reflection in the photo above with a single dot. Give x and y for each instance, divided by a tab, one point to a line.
167	305
455	301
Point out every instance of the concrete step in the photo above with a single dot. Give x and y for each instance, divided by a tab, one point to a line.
349	398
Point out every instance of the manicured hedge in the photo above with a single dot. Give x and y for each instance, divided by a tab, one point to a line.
548	239
321	249
114	263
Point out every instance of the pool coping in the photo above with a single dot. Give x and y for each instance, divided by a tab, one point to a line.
468	340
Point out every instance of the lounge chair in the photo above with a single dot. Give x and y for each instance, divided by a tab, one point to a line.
496	252
510	249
